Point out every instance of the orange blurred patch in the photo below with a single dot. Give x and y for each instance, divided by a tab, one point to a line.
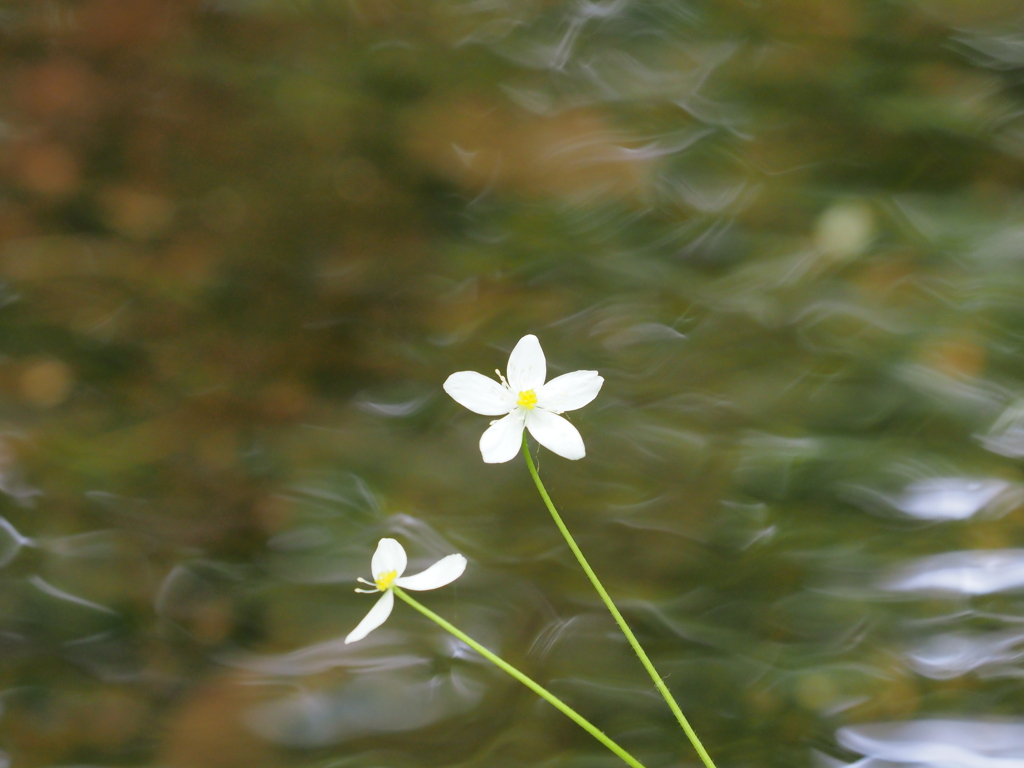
212	622
187	264
46	383
104	25
274	513
14	221
882	276
112	718
284	400
59	87
207	730
48	169
478	145
136	213
955	356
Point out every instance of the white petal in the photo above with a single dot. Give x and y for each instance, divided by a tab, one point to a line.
479	393
556	434
444	571
526	366
501	441
390	556
377	616
569	391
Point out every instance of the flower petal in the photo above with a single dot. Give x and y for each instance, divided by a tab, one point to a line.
390	556
501	441
526	366
377	616
444	571
569	391
556	434
479	393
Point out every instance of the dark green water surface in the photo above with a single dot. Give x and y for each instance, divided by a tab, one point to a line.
244	242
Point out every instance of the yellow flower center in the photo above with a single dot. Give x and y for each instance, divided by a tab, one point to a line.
527	399
385	580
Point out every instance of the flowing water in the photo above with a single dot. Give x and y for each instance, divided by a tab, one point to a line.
244	242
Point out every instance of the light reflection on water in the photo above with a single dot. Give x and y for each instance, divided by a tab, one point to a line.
978	572
948	655
936	743
947	498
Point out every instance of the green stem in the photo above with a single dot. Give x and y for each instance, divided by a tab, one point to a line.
662	688
544	693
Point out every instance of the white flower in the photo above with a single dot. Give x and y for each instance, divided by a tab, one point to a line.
525	400
387	566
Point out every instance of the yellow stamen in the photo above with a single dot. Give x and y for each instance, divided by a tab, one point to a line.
385	580
527	399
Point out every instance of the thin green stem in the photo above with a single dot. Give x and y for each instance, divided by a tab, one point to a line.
662	688
544	693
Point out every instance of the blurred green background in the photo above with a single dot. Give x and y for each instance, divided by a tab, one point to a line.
245	241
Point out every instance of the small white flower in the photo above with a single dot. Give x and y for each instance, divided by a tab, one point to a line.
387	566
526	401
